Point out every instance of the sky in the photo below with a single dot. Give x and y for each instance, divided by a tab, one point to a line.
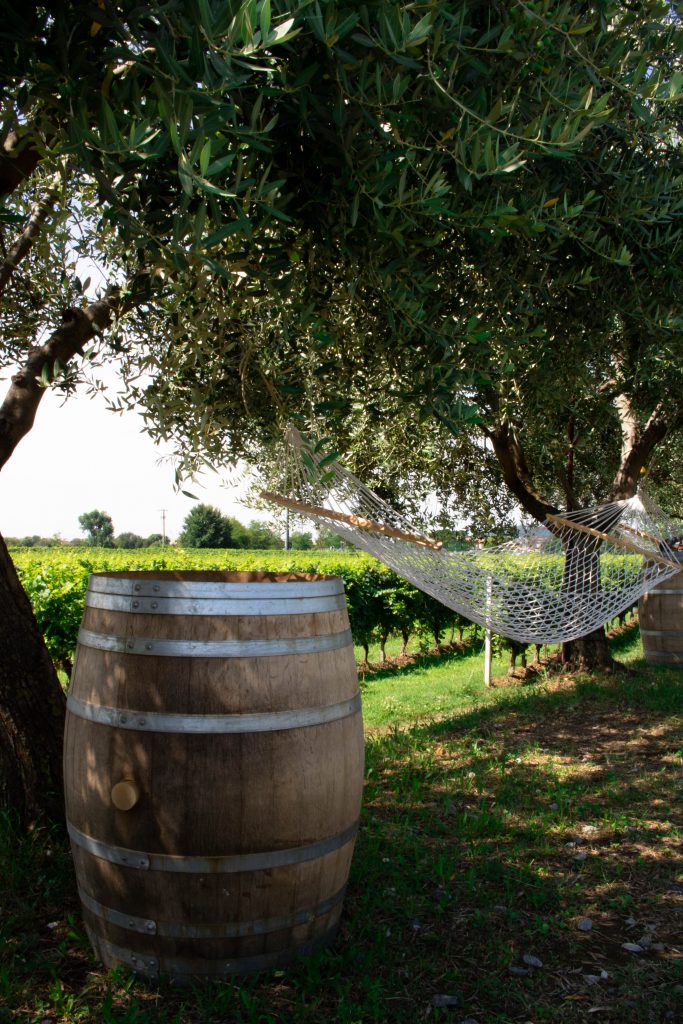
79	456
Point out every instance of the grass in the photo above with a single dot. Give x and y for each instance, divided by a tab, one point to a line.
494	824
426	688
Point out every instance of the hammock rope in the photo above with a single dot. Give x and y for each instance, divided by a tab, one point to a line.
555	583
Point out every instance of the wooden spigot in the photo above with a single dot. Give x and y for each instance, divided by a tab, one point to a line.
125	794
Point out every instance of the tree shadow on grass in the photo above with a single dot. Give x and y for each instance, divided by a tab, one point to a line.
524	819
487	839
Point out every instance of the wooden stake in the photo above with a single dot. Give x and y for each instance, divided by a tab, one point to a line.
488	649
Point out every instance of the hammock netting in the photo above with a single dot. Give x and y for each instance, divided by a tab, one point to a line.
552	584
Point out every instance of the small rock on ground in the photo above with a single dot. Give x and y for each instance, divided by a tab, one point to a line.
518	972
445	1000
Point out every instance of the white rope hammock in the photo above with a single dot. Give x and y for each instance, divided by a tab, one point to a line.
555	583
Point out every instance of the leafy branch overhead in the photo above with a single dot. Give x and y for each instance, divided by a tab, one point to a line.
447	235
326	200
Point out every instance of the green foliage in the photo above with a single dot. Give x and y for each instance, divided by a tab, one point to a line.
261	536
301	541
398	610
34	541
206	527
129	540
433	617
327	540
363	603
664	480
56	586
379	602
443	217
99	528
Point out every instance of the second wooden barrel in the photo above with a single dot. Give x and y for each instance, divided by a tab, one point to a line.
213	769
660	612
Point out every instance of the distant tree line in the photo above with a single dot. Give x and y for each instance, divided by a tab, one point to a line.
204	527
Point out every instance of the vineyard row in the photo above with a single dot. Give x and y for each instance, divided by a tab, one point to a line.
380	603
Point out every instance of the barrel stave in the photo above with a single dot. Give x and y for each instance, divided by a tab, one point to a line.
660	613
299	782
234	684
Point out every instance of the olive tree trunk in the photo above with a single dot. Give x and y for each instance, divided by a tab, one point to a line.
32	707
32	704
589	652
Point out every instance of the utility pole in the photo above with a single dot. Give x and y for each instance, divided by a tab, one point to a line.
163	527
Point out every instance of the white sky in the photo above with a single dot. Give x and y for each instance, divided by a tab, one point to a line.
79	456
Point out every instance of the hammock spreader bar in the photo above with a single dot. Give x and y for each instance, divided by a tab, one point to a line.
358	521
618	541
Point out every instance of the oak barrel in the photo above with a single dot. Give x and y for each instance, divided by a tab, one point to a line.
660	612
213	768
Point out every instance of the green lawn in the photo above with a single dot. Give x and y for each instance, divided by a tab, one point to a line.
520	860
427	689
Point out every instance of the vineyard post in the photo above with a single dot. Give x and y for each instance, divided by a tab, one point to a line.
487	633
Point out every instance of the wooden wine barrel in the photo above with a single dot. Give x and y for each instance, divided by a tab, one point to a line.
213	768
660	612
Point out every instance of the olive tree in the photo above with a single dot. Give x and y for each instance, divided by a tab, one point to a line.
328	210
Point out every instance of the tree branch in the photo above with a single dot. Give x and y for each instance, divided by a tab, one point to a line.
628	424
635	449
18	411
19	158
516	472
39	214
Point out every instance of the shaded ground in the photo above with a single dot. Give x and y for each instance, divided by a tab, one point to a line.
520	862
559	832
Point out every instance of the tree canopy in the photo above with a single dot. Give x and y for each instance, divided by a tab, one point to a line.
99	528
492	192
129	540
258	535
414	226
206	527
